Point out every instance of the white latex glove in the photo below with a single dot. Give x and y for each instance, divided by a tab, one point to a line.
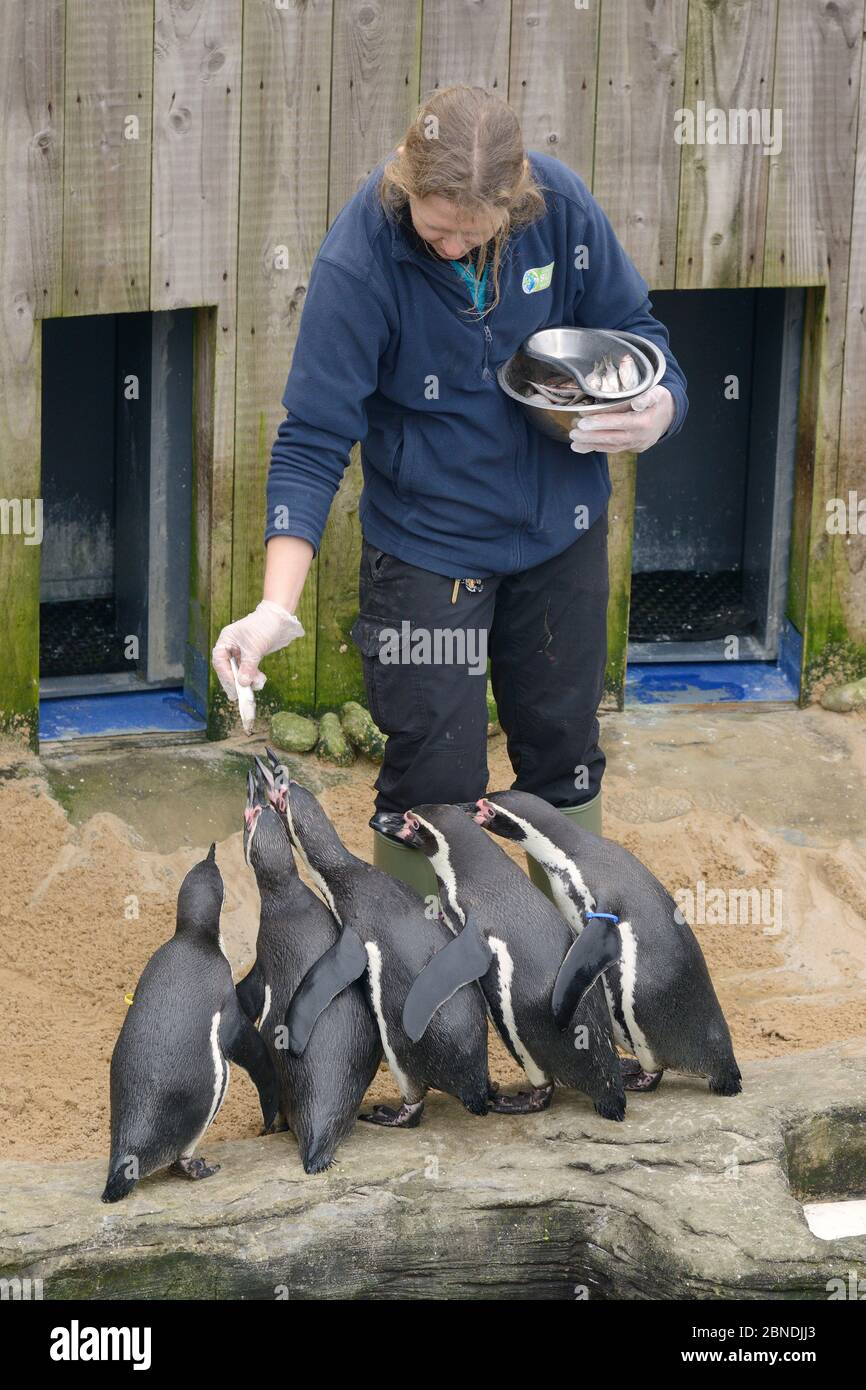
640	424
267	629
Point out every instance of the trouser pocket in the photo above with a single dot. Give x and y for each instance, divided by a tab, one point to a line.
424	659
395	695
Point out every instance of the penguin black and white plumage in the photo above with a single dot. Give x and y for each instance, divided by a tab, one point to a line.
387	938
320	1091
170	1065
528	940
661	999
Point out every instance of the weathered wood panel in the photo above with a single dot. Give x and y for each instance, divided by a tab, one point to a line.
465	41
637	163
31	203
194	255
723	195
849	550
620	515
552	78
641	66
196	126
106	177
283	217
804	469
816	86
375	95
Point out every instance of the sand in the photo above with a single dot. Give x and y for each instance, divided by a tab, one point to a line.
85	906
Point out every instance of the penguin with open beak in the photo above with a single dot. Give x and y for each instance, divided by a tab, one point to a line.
321	1090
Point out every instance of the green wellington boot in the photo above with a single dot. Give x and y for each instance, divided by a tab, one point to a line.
588	816
405	863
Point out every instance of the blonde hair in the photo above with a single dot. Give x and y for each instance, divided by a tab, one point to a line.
465	144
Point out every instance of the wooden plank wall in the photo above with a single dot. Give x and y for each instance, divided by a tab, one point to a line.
808	242
193	261
850	549
636	174
170	153
283	217
375	94
31	220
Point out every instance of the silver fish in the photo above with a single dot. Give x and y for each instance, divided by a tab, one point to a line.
593	378
246	700
609	379
629	375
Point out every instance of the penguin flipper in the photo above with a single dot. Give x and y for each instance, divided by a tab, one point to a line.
339	967
251	993
598	946
242	1044
461	962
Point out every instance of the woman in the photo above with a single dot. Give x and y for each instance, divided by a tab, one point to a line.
481	536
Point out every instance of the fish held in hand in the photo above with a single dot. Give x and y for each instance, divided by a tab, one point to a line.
246	700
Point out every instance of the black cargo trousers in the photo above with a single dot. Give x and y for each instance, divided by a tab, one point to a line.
425	664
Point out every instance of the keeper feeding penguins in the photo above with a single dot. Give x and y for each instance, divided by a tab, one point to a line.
456	249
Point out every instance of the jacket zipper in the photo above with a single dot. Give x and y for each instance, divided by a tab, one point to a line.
474	288
488	339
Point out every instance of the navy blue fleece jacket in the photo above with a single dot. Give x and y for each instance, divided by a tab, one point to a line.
455	479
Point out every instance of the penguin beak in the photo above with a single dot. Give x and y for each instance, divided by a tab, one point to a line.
257	789
388	823
264	776
484	812
277	780
409	832
257	800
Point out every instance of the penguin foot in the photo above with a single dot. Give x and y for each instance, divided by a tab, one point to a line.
524	1102
634	1078
319	1165
492	1089
611	1107
280	1126
730	1084
194	1168
407	1117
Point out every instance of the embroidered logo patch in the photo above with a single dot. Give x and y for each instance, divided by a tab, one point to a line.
538	278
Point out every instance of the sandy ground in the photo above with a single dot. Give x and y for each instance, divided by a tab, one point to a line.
774	801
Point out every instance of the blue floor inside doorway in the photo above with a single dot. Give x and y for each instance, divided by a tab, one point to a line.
704	682
126	712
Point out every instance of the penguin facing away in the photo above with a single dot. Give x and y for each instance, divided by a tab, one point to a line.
170	1065
320	1091
527	940
660	996
387	939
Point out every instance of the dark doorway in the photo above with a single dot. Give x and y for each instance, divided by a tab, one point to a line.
713	506
116	489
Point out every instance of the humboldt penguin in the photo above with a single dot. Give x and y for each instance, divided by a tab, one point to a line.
481	889
170	1065
661	999
322	1090
387	938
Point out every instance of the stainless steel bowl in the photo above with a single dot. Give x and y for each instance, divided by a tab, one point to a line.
555	420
